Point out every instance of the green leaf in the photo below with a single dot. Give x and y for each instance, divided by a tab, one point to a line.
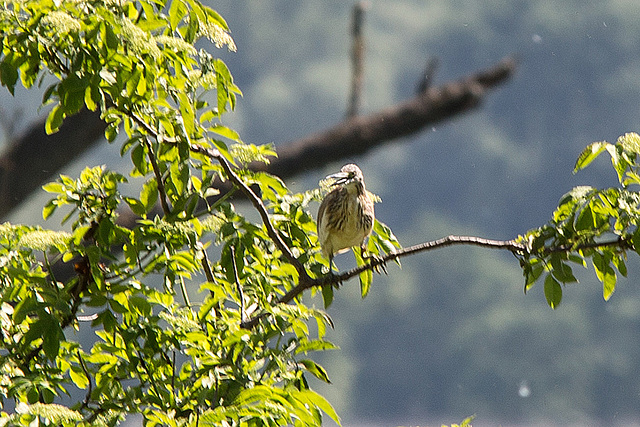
179	177
314	399
366	278
136	206
605	273
223	131
92	97
552	291
177	11
560	270
78	377
72	93
47	328
306	346
609	285
327	295
53	187
8	75
111	132
532	272
138	157
589	154
618	261
49	209
149	195
316	370
54	119
586	220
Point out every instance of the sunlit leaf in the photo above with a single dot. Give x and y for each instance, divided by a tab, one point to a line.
54	119
315	369
552	291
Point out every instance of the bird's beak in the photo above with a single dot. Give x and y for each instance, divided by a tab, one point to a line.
338	178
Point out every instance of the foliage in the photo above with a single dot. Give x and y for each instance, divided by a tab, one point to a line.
590	226
237	356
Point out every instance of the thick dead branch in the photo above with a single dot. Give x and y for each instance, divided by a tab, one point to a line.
357	135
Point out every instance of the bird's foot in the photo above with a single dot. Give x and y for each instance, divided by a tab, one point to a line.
380	264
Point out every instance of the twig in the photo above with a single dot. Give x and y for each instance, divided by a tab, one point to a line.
87	398
620	242
206	266
357	58
428	75
243	312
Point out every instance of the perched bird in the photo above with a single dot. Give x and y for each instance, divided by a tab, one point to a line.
345	217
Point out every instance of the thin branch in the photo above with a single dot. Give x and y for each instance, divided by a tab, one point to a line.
206	266
375	263
257	203
87	397
428	75
621	242
243	312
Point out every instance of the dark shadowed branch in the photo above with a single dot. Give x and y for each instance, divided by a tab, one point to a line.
35	158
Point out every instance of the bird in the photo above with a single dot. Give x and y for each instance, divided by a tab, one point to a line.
346	214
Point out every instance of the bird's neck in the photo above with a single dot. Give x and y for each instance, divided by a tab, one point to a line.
356	188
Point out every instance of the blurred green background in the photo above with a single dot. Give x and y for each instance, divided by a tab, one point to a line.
451	333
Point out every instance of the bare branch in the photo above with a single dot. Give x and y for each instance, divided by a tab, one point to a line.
428	75
36	157
357	58
331	279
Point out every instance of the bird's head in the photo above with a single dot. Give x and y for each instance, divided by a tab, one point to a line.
349	175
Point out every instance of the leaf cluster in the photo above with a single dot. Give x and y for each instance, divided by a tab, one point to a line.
591	226
159	349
